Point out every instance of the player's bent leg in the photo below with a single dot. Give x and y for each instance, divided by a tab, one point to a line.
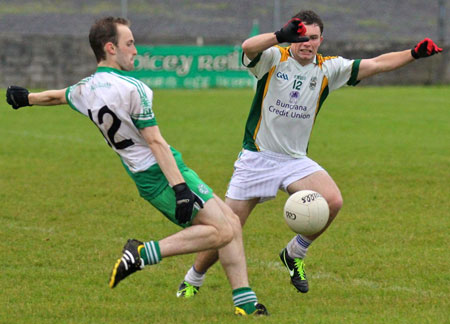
195	276
241	208
232	258
293	255
232	255
212	214
210	230
204	260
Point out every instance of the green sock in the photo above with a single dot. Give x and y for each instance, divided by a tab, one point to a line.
150	252
245	298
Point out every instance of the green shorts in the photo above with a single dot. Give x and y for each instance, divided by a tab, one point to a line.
154	187
165	201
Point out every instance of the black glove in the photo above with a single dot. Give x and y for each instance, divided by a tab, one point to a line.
185	199
293	32
425	48
17	97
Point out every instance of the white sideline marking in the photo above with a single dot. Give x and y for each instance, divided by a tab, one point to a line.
31	228
353	282
63	138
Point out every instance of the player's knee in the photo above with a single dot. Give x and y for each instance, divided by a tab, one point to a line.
335	204
224	236
226	231
227	234
235	222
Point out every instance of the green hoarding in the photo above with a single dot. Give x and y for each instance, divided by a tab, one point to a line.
191	67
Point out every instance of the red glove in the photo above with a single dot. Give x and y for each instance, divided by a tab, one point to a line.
293	32
425	48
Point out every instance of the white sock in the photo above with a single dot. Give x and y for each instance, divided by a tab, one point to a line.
298	246
195	278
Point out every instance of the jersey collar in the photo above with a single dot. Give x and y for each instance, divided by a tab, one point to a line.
110	69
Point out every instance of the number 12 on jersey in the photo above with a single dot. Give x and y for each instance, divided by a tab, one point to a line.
297	84
116	122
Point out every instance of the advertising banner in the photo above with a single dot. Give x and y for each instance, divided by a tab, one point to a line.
191	67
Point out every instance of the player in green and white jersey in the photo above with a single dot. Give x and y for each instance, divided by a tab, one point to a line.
293	83
121	107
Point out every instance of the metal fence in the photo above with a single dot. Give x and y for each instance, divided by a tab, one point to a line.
218	21
46	40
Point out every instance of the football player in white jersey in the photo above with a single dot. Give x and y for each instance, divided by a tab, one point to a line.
121	107
293	83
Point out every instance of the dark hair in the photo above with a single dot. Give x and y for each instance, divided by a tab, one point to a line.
103	31
309	17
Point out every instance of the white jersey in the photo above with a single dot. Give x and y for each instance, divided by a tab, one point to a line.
289	96
119	105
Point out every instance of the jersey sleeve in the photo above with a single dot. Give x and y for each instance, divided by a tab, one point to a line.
141	102
340	72
74	95
262	63
69	97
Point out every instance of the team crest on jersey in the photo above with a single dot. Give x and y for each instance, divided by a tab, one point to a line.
313	83
293	96
203	189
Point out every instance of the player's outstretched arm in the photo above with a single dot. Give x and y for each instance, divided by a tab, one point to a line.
48	98
19	97
292	32
395	60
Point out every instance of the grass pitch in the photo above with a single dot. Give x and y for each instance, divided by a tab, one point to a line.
67	208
